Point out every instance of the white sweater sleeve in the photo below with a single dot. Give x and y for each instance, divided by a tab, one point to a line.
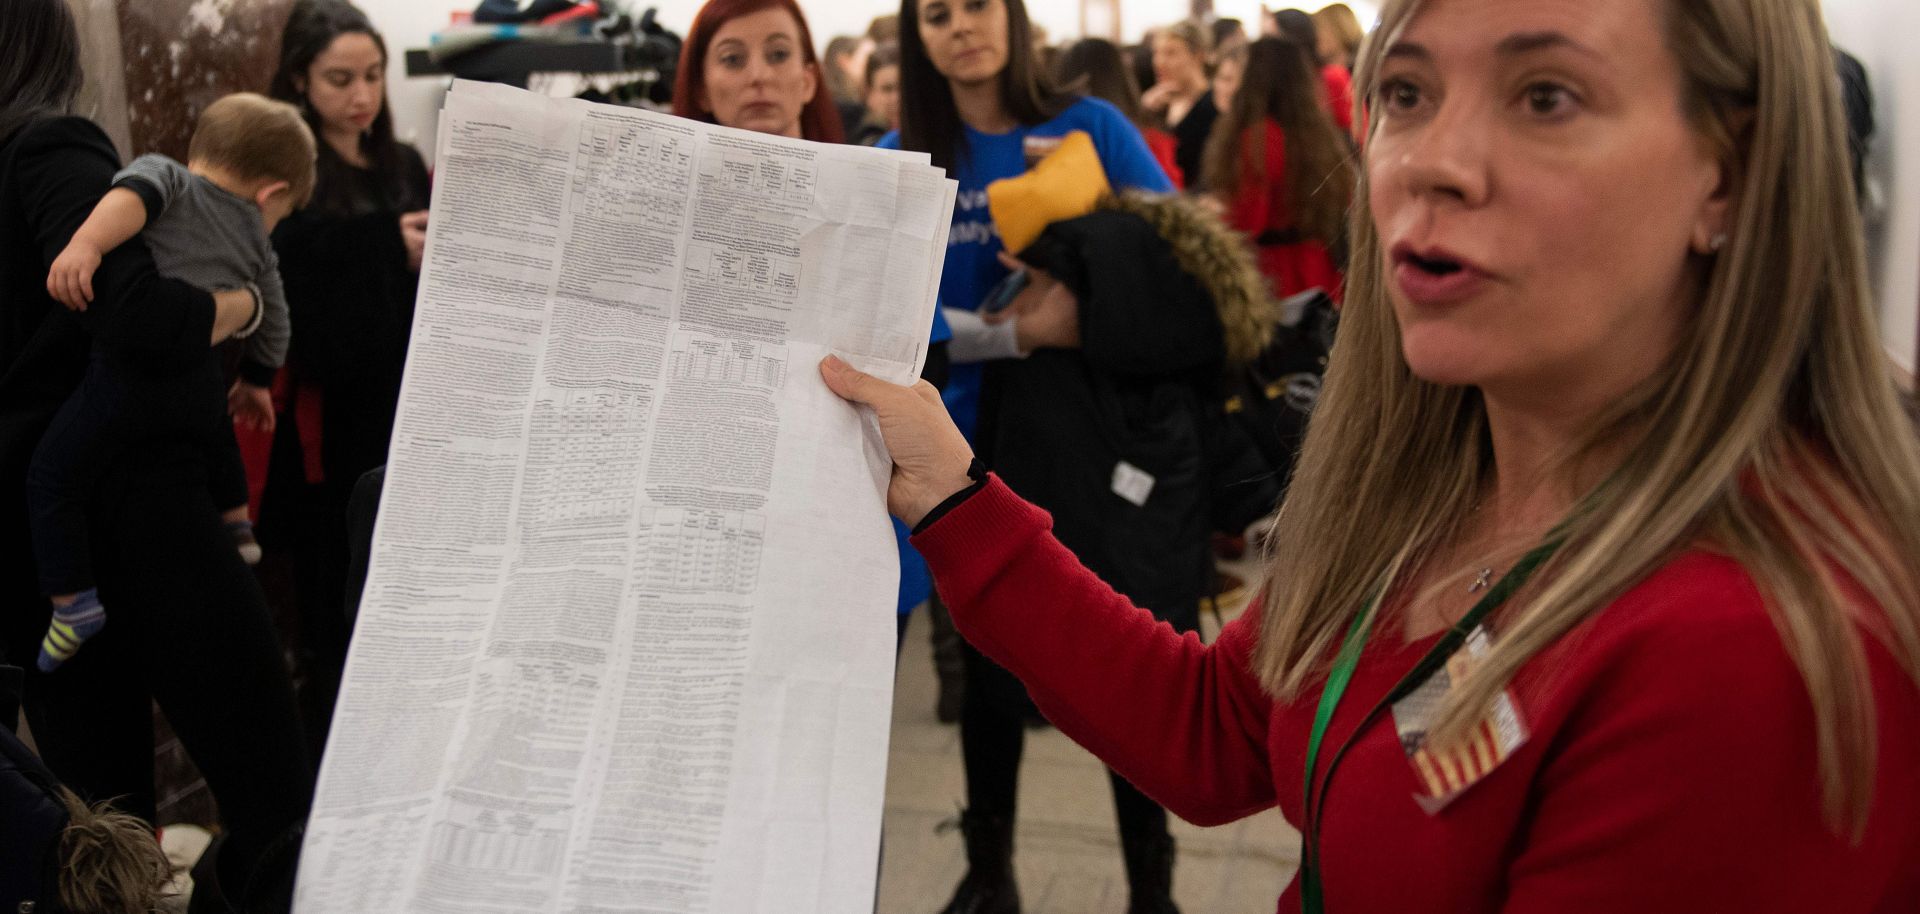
975	340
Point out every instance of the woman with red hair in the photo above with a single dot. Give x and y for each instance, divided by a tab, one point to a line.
750	64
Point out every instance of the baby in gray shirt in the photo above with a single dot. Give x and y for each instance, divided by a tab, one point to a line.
249	164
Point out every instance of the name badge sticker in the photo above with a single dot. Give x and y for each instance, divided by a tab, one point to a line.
1035	148
1445	774
1132	483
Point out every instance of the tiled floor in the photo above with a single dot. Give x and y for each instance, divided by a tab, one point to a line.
1068	853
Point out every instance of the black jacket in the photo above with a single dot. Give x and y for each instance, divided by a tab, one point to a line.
52	173
1190	141
1167	298
34	817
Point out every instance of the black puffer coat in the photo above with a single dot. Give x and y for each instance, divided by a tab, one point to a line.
1168	298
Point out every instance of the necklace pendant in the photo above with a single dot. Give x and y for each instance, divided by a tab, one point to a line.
1481	581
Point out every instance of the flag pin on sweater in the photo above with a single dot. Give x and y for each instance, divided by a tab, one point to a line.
1444	773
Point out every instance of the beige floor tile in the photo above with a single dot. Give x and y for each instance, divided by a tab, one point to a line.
1071	891
1270	835
925	782
1069	793
1046	744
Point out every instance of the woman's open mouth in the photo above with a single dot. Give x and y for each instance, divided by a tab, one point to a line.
1434	276
1438	266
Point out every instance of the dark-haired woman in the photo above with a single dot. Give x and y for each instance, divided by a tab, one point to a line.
882	99
1097	67
973	99
1282	169
190	628
1335	81
351	262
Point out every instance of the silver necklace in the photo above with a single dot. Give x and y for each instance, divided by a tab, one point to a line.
1484	579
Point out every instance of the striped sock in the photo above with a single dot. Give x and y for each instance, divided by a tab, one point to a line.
72	625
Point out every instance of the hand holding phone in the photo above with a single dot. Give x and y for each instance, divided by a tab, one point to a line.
1004	292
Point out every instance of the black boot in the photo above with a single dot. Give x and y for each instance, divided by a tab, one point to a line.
988	887
1150	875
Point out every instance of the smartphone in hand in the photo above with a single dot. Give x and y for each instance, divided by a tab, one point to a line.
1004	292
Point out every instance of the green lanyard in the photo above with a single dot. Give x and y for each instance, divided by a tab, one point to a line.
1344	664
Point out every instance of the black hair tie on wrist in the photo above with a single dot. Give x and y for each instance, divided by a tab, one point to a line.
977	472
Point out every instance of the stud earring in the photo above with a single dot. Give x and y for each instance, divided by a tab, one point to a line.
1719	241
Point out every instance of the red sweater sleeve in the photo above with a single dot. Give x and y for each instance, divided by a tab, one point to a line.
1685	776
1185	722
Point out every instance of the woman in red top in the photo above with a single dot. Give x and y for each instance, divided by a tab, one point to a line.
1095	66
1595	591
1335	82
749	64
1282	171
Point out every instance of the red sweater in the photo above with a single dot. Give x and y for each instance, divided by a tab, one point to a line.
1165	149
1261	205
1339	89
1671	766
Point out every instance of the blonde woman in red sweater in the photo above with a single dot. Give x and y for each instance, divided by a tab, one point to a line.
1597	588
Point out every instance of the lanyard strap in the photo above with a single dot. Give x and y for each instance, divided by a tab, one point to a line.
1311	898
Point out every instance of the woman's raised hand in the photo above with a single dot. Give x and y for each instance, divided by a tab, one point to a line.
930	456
1157	97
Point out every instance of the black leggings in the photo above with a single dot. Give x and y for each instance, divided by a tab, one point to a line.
189	629
307	523
993	738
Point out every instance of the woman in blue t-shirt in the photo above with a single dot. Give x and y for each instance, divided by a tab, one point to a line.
985	113
972	96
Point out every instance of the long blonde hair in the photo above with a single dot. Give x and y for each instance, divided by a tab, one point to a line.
1339	19
1772	434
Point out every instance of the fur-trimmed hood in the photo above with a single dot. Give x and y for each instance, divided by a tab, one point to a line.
1217	257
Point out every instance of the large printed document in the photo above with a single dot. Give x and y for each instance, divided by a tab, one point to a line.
626	643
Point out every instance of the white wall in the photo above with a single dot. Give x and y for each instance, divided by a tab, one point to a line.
407	24
1880	33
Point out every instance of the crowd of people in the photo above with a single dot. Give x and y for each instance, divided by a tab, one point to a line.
1591	518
